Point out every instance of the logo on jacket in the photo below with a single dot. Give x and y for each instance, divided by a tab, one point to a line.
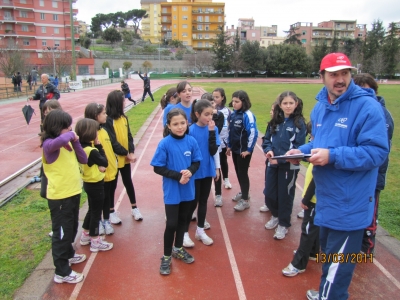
187	153
289	129
341	122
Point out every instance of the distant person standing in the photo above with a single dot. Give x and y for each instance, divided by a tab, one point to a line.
14	81
55	81
18	81
34	74
146	86
29	80
127	92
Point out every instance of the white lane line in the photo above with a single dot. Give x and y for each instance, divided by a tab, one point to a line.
231	256
376	262
78	287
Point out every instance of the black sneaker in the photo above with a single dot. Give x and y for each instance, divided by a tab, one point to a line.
182	255
165	268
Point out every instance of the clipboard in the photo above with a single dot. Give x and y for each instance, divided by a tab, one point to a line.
292	156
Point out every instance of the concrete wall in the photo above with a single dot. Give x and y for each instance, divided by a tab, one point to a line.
164	65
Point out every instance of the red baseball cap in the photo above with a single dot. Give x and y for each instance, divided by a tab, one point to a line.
333	62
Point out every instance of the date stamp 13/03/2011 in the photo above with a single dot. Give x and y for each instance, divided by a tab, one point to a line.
352	258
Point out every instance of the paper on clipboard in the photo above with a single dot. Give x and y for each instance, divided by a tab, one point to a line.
292	156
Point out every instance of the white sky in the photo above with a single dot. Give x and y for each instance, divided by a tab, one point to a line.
272	12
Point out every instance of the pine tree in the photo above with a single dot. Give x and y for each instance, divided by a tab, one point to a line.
391	49
222	52
373	43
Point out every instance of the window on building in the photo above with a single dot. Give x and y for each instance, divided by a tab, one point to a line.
253	34
174	34
26	42
164	10
303	41
41	2
23	14
25	28
164	19
265	33
43	29
304	33
200	36
22	1
9	27
185	43
199	44
174	17
207	45
155	7
184	26
199	27
184	8
184	17
207	27
55	17
174	26
56	30
232	33
360	34
56	43
44	43
184	34
174	8
54	4
42	16
206	36
262	42
199	19
7	15
219	19
83	70
206	19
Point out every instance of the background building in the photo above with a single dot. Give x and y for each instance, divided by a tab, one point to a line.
324	32
194	22
35	26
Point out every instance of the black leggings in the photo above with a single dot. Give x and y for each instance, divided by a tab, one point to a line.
147	91
175	224
127	181
109	188
95	195
224	169
242	172
202	191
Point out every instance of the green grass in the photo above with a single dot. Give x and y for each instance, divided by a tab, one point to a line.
102	48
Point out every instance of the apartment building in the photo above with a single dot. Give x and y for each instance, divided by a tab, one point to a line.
194	22
39	25
324	32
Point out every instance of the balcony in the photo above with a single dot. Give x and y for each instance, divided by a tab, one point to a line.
7	32
166	13
26	33
168	20
217	12
8	19
25	20
27	4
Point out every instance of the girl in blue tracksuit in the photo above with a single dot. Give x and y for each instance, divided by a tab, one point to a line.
241	141
205	132
177	159
286	130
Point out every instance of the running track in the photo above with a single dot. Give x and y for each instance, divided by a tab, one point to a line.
244	262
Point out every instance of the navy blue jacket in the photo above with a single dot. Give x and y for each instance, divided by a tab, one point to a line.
243	131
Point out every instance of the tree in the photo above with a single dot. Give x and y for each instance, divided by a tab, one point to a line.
126	65
176	43
373	43
236	41
391	49
105	65
62	60
111	35
135	15
202	61
353	48
271	58
318	53
147	65
377	64
237	63
251	54
222	52
291	58
335	43
127	37
292	37
179	54
12	60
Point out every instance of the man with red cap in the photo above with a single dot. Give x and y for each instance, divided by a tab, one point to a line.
348	147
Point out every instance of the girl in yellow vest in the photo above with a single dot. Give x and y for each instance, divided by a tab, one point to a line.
97	112
93	173
117	127
61	154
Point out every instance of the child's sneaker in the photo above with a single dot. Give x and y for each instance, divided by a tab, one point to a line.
206	225
182	255
102	231
202	236
114	218
291	271
312	295
300	215
77	259
194	217
218	201
242	205
165	268
237	197
264	208
187	241
136	214
51	234
108	227
227	184
98	244
272	223
85	239
74	277
313	258
280	232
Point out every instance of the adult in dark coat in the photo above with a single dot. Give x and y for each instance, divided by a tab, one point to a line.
127	92
146	86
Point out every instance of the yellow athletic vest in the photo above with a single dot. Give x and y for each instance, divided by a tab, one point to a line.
121	132
105	141
91	174
63	175
307	181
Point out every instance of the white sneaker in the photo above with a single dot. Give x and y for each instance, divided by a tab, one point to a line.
187	241
98	244
227	184
300	215
85	239
291	271
102	231
114	218
206	225
136	214
51	234
194	216
218	201
202	236
242	205
280	232
77	259
272	223
108	227
237	197
264	208
74	277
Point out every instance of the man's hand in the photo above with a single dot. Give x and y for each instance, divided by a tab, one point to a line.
319	157
291	152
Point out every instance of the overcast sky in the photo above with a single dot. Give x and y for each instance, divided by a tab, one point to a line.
272	12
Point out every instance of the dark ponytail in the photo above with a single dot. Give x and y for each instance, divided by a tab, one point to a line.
197	107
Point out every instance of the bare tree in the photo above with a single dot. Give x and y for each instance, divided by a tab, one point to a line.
201	61
237	64
377	64
62	60
12	59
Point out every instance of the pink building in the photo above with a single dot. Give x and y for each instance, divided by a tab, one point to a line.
39	25
248	32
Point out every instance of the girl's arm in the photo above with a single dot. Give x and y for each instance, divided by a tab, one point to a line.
62	140
300	136
117	147
165	172
251	128
98	157
130	139
219	120
79	152
212	142
309	193
267	144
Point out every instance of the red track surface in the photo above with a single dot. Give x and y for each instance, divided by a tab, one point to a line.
245	262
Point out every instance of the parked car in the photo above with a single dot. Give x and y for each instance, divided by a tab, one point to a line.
167	72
